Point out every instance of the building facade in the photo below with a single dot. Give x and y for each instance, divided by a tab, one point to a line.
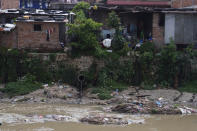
183	3
36	4
9	4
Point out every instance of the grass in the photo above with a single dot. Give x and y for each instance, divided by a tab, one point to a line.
189	87
20	88
105	93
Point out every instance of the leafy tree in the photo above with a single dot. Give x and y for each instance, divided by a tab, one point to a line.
84	33
82	6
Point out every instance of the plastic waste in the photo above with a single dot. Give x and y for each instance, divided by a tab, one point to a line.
158	103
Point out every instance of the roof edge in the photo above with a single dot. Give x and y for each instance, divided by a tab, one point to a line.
138	3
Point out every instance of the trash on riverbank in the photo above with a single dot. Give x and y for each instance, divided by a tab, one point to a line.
144	106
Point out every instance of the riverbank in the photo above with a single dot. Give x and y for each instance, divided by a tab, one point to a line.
133	100
62	104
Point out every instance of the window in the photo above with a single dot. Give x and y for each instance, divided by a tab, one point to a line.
37	27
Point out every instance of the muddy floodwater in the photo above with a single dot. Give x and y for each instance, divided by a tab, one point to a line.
45	117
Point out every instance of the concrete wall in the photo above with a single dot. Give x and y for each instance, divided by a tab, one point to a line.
28	38
9	4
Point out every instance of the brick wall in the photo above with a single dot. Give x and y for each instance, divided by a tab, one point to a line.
8	39
9	4
28	38
183	3
157	31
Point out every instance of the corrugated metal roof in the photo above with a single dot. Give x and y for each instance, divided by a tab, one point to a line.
139	3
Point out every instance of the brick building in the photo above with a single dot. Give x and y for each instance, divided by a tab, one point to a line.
9	4
40	31
40	35
183	3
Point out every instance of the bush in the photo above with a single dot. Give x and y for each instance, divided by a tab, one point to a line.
22	87
147	85
40	70
167	64
190	86
104	96
11	64
52	57
67	74
103	93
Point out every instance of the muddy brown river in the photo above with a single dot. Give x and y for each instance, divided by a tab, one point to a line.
37	117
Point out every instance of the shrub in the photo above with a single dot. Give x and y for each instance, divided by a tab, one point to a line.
118	40
104	96
40	70
190	86
12	64
103	93
67	74
167	64
21	87
52	57
147	85
113	20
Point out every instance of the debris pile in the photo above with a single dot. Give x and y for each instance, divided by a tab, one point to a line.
107	120
144	106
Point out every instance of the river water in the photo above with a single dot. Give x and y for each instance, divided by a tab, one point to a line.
19	117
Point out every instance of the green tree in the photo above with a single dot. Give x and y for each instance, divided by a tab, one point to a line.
84	33
81	6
